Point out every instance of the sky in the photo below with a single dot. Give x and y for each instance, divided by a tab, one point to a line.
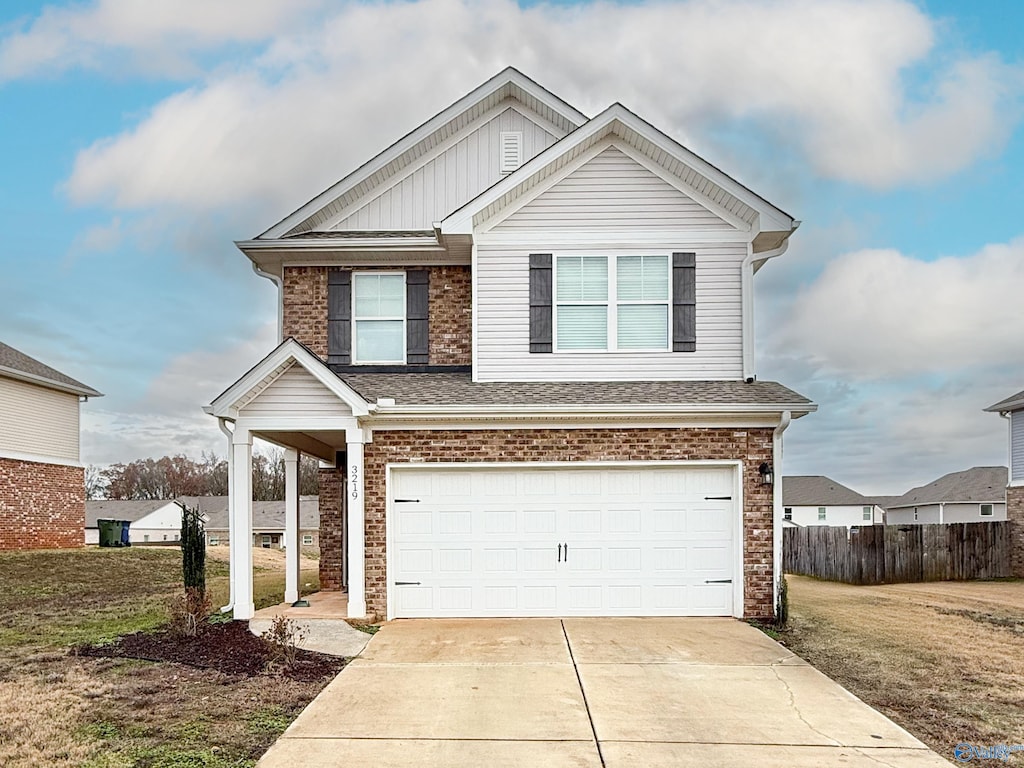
139	140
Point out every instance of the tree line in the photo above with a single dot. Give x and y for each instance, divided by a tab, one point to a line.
172	476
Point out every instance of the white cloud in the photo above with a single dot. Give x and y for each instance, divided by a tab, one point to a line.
815	75
876	314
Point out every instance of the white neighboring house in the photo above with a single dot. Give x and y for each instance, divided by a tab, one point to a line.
819	500
152	521
268	527
971	496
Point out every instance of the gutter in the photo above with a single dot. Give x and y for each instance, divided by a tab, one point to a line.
538	411
787	418
222	423
60	386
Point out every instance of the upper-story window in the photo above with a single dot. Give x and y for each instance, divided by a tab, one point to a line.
866	512
378	317
611	303
821	513
986	510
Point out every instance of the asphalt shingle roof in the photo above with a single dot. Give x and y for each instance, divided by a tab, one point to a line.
1012	403
971	485
121	509
819	491
266	515
19	363
459	389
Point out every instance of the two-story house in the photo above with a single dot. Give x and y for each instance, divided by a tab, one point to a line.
1012	409
522	339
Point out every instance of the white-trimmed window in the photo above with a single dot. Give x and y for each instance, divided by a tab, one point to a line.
867	513
307	539
214	541
821	513
378	317
612	303
265	542
986	510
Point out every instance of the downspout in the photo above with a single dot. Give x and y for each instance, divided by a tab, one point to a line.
276	280
222	423
747	295
787	417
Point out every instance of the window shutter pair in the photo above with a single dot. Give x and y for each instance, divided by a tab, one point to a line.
684	302
339	316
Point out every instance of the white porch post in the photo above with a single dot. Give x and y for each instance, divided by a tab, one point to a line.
356	525
241	520
291	525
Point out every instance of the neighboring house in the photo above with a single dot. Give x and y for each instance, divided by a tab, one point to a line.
974	495
152	521
42	480
523	340
819	500
1012	409
268	527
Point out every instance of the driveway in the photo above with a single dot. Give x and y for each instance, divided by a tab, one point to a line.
587	692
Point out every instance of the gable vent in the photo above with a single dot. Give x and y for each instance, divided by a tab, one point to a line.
511	150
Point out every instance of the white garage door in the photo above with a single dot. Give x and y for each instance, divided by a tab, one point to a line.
588	541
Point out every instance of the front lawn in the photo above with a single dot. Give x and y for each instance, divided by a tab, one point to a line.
59	709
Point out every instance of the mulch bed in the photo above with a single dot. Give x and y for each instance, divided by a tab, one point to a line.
229	648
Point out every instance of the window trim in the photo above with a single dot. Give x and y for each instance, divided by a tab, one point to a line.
611	304
404	318
867	513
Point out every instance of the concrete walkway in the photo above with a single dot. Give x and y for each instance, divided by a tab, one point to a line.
587	692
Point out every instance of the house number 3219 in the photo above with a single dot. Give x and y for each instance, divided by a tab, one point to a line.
355	481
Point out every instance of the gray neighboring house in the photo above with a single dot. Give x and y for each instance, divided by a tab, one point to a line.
819	500
971	496
153	521
267	521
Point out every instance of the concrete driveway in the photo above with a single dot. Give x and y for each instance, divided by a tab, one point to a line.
587	692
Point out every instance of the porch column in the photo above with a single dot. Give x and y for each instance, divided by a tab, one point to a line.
356	525
291	525
240	502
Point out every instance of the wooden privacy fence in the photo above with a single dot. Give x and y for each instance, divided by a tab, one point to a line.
891	554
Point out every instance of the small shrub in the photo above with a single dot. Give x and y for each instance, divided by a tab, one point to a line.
283	640
189	611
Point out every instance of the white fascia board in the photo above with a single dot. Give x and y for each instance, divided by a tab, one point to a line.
606	411
425	424
225	404
42	381
506	76
618	238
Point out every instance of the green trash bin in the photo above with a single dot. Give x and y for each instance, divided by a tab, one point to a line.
114	533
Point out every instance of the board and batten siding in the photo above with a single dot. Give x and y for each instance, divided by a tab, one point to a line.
611	191
1017	446
457	175
38	421
295	391
503	320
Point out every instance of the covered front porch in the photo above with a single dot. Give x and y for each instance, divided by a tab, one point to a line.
291	399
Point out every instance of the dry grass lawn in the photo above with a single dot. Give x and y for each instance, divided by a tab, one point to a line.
57	709
944	659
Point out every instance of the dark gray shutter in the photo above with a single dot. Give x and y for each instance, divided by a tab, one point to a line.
684	302
417	297
339	316
540	302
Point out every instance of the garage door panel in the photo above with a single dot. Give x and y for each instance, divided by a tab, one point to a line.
640	542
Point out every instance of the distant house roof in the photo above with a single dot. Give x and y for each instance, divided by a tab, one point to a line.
266	515
819	491
885	501
971	485
18	365
1012	403
121	509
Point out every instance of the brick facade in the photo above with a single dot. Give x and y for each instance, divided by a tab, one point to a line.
42	506
1015	514
752	446
449	308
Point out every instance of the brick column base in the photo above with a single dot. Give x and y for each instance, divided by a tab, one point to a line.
332	513
1015	514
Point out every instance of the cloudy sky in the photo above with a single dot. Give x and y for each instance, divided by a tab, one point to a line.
139	139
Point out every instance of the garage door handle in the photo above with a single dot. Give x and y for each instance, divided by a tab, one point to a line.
718	498
567	553
407	501
559	553
718	581
407	583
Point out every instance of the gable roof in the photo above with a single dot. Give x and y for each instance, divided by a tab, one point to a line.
1012	403
818	491
977	484
121	509
509	83
18	365
266	515
707	183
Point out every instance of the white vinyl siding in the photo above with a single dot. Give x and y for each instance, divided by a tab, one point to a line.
461	172
296	391
503	320
612	192
953	512
1017	446
37	421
